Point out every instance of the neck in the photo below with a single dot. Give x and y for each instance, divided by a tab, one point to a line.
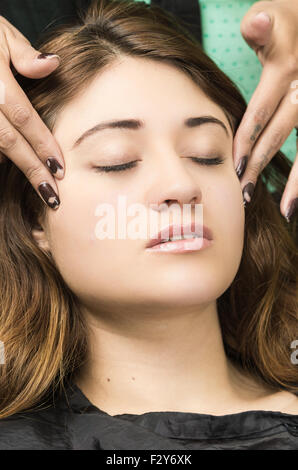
165	360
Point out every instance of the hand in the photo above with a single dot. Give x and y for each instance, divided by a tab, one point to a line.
24	137
272	112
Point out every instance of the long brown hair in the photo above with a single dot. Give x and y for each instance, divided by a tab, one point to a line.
41	326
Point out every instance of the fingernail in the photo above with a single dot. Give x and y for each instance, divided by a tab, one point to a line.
248	191
48	56
55	167
291	209
264	15
241	166
49	195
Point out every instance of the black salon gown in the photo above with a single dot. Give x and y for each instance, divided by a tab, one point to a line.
71	422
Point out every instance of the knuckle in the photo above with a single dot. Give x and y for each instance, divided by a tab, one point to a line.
33	172
253	170
8	138
276	138
42	149
292	64
263	162
19	115
3	25
261	115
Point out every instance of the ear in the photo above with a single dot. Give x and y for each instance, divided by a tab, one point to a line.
40	236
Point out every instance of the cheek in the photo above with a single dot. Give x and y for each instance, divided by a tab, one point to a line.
228	217
81	257
224	200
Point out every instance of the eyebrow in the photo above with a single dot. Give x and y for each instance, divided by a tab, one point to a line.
137	124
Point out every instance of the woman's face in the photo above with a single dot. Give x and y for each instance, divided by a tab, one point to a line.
113	272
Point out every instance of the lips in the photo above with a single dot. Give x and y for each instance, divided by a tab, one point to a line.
172	230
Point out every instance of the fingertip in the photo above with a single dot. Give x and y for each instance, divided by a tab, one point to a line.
264	17
60	175
47	56
41	65
241	167
55	167
49	195
256	29
248	191
49	62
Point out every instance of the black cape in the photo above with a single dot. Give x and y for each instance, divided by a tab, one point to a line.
72	422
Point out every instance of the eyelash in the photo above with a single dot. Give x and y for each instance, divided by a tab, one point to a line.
127	166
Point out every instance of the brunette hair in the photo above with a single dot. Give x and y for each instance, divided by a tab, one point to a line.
41	326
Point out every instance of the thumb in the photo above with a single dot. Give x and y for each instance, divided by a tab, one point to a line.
28	61
256	29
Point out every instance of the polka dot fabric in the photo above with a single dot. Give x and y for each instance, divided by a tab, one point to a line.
225	45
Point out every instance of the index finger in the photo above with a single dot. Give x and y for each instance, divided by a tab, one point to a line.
262	105
21	114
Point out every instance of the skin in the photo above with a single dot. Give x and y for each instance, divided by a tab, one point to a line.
269	119
155	342
24	137
272	111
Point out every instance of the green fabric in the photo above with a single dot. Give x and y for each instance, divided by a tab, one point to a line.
223	42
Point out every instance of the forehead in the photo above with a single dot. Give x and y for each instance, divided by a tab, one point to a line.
159	93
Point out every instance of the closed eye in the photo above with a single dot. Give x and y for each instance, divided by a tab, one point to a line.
124	166
208	161
129	165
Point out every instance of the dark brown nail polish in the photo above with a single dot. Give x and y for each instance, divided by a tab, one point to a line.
248	191
49	195
291	209
54	166
45	55
241	166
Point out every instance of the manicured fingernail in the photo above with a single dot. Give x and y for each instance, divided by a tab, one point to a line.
241	166
248	191
55	167
48	56
291	209
49	195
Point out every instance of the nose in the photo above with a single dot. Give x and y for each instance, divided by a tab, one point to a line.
174	184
